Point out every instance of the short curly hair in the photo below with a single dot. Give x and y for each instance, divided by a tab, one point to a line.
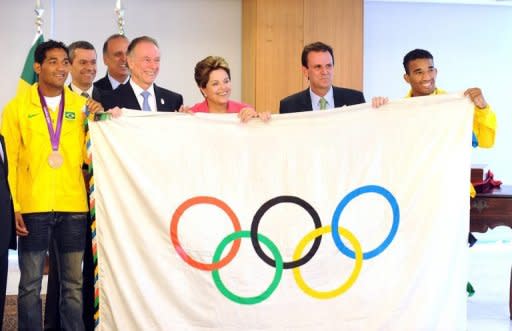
41	49
416	54
206	66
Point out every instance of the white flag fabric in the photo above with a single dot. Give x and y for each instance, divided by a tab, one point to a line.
204	223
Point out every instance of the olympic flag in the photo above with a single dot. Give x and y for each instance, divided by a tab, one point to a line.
351	219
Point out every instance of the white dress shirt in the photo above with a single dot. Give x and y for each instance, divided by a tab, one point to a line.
115	84
151	99
79	91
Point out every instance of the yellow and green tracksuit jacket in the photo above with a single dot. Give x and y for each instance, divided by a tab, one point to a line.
35	186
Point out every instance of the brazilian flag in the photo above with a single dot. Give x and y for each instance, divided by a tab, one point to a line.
28	76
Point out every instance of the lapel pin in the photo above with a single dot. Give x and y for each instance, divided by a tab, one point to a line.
162	101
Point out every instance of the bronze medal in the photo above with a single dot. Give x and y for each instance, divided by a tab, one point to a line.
55	160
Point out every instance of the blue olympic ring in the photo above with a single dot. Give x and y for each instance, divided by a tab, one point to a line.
351	196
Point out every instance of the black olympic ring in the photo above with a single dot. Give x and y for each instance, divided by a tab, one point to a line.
256	222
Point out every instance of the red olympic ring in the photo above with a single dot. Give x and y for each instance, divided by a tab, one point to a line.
174	232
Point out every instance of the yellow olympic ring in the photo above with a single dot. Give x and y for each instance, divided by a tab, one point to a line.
353	276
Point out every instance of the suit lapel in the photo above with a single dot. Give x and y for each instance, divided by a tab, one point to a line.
96	94
105	83
338	98
108	83
305	100
129	95
160	100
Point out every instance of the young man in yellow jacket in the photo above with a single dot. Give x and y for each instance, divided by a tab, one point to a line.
45	138
421	74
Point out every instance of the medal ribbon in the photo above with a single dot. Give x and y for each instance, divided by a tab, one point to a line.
54	135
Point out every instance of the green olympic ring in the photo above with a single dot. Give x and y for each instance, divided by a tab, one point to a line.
273	285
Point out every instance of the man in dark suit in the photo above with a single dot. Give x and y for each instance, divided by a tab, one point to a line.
82	57
114	57
141	92
317	67
7	226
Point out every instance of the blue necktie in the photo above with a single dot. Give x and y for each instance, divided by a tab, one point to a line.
145	102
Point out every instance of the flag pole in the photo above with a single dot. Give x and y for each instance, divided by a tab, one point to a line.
39	18
120	16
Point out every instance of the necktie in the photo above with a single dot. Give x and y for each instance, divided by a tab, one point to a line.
85	95
145	102
323	104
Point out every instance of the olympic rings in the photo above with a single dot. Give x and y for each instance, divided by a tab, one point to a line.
256	222
351	196
353	276
174	232
278	263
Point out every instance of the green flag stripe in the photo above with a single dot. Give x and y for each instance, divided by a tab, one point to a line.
28	74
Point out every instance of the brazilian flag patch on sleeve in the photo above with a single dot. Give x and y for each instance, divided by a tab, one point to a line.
69	115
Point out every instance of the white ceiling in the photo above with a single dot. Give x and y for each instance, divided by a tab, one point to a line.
460	2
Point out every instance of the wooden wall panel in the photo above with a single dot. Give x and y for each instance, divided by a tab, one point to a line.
338	23
249	33
274	33
280	40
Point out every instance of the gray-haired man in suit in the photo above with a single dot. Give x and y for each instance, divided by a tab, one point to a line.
140	92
